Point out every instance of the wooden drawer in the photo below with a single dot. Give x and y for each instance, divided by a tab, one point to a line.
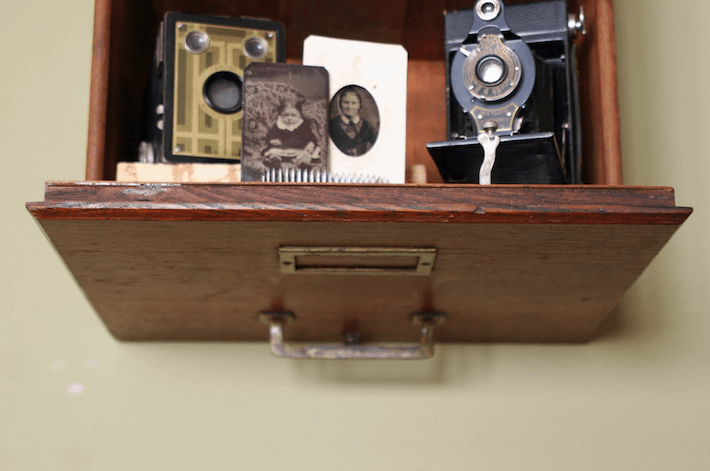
200	261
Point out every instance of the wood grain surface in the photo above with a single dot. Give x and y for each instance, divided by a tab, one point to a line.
362	203
208	280
599	102
199	262
98	98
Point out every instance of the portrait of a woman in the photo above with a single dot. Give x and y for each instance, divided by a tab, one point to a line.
350	131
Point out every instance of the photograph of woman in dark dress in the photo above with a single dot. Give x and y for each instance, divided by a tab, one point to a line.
292	142
352	133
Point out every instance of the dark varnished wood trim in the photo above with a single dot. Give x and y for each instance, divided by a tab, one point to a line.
98	98
599	103
482	215
408	196
608	119
436	203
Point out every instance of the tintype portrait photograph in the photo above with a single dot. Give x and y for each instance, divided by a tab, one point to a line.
285	123
354	120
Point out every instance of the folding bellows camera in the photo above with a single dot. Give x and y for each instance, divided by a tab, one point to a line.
511	76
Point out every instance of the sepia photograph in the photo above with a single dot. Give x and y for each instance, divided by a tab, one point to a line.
285	123
354	120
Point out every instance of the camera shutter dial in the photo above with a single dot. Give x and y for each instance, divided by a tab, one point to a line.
492	79
492	71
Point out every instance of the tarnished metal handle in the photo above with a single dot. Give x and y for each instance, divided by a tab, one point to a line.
350	351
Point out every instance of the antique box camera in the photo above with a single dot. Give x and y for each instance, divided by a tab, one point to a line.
511	94
194	104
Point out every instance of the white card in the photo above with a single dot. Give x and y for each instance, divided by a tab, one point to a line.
368	108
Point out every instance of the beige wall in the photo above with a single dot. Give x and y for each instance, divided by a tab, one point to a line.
72	398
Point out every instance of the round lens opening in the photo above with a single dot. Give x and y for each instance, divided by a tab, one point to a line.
197	42
256	48
491	70
223	92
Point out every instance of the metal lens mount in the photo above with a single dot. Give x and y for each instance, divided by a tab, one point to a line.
492	71
488	10
223	92
256	48
197	42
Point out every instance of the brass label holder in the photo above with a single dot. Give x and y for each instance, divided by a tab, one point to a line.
356	261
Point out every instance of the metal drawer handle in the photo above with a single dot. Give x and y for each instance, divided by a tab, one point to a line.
351	350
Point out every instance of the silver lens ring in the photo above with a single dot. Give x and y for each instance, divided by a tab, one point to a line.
491	70
487	10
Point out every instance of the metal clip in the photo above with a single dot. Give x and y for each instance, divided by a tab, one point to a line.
427	321
577	23
489	141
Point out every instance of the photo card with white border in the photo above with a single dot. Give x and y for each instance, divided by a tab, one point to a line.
368	105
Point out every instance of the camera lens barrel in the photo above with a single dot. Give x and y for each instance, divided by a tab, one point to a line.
491	70
223	92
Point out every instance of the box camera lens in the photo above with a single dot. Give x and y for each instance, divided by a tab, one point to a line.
256	48
223	92
197	42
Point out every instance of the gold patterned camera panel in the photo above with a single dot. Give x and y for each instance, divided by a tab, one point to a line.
209	66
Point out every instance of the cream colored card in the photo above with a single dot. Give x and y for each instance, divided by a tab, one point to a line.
178	173
368	108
